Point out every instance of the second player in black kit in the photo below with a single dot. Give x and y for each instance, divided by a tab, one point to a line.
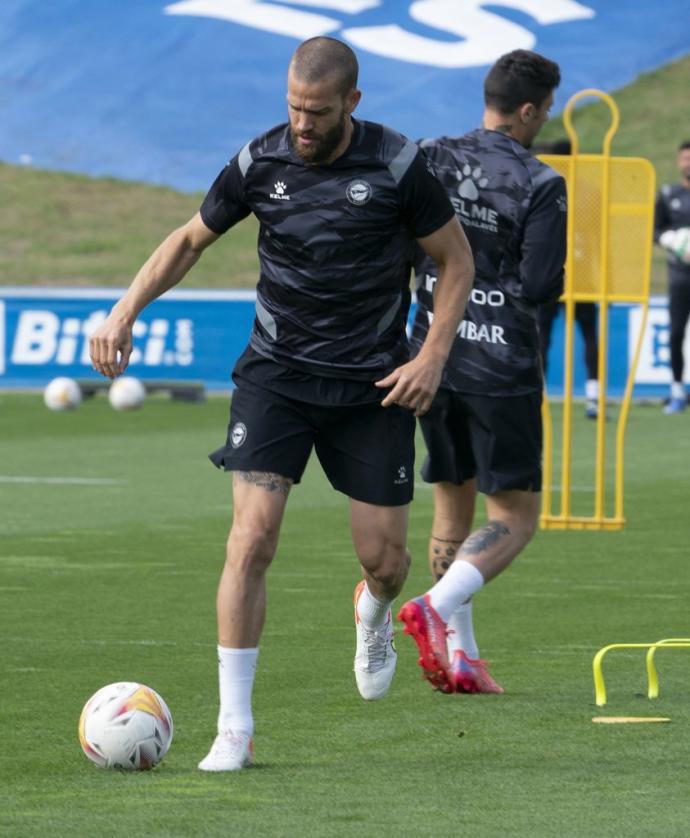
512	208
483	431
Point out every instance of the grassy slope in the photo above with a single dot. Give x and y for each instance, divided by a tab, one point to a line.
117	583
58	229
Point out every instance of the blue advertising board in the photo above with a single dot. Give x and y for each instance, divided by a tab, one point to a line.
184	336
198	335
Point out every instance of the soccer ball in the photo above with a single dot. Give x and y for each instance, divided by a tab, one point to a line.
126	393
62	394
125	725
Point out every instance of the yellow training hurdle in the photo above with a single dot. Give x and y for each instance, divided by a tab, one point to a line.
652	676
609	251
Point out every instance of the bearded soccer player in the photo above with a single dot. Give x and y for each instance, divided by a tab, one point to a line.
672	231
340	203
483	432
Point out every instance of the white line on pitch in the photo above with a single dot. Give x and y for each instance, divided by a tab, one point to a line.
63	481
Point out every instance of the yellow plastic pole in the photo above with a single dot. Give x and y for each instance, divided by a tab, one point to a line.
566	442
627	397
547	466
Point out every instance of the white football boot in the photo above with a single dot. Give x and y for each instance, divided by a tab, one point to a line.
375	657
230	752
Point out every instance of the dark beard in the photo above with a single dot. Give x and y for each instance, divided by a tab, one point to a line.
324	146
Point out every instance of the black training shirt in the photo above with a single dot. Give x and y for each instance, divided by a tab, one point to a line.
671	212
513	210
335	246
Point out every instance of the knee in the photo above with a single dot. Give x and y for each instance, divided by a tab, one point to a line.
528	527
521	518
524	525
386	561
250	549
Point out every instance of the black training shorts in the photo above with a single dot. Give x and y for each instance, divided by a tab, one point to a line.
366	451
498	440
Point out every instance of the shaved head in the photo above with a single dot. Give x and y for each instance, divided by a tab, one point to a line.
325	59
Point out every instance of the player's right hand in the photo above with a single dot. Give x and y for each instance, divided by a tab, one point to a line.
110	347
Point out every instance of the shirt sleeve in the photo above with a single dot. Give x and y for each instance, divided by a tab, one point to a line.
425	204
225	203
662	222
544	243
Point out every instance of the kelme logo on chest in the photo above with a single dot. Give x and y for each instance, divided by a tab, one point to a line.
279	194
358	192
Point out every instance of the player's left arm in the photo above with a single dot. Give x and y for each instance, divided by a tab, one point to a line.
662	218
544	243
415	383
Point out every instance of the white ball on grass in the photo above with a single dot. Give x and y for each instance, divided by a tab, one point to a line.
126	393
125	725
62	393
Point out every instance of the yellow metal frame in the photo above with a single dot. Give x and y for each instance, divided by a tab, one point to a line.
652	676
599	520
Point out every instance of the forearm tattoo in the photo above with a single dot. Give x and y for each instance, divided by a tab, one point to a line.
266	480
443	553
486	537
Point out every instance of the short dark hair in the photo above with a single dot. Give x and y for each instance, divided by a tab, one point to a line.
318	58
519	77
684	145
561	146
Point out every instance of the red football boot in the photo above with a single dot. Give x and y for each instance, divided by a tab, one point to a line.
471	676
429	632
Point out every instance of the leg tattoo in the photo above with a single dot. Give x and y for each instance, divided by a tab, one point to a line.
486	537
443	555
266	480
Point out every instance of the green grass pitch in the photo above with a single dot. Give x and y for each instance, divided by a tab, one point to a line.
115	580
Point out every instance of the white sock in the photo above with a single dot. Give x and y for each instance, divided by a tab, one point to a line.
372	611
678	390
591	389
462	636
236	669
460	581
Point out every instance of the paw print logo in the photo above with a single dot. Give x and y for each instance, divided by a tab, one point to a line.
280	188
470	179
402	477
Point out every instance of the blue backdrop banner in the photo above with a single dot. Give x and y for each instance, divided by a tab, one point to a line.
198	336
166	92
